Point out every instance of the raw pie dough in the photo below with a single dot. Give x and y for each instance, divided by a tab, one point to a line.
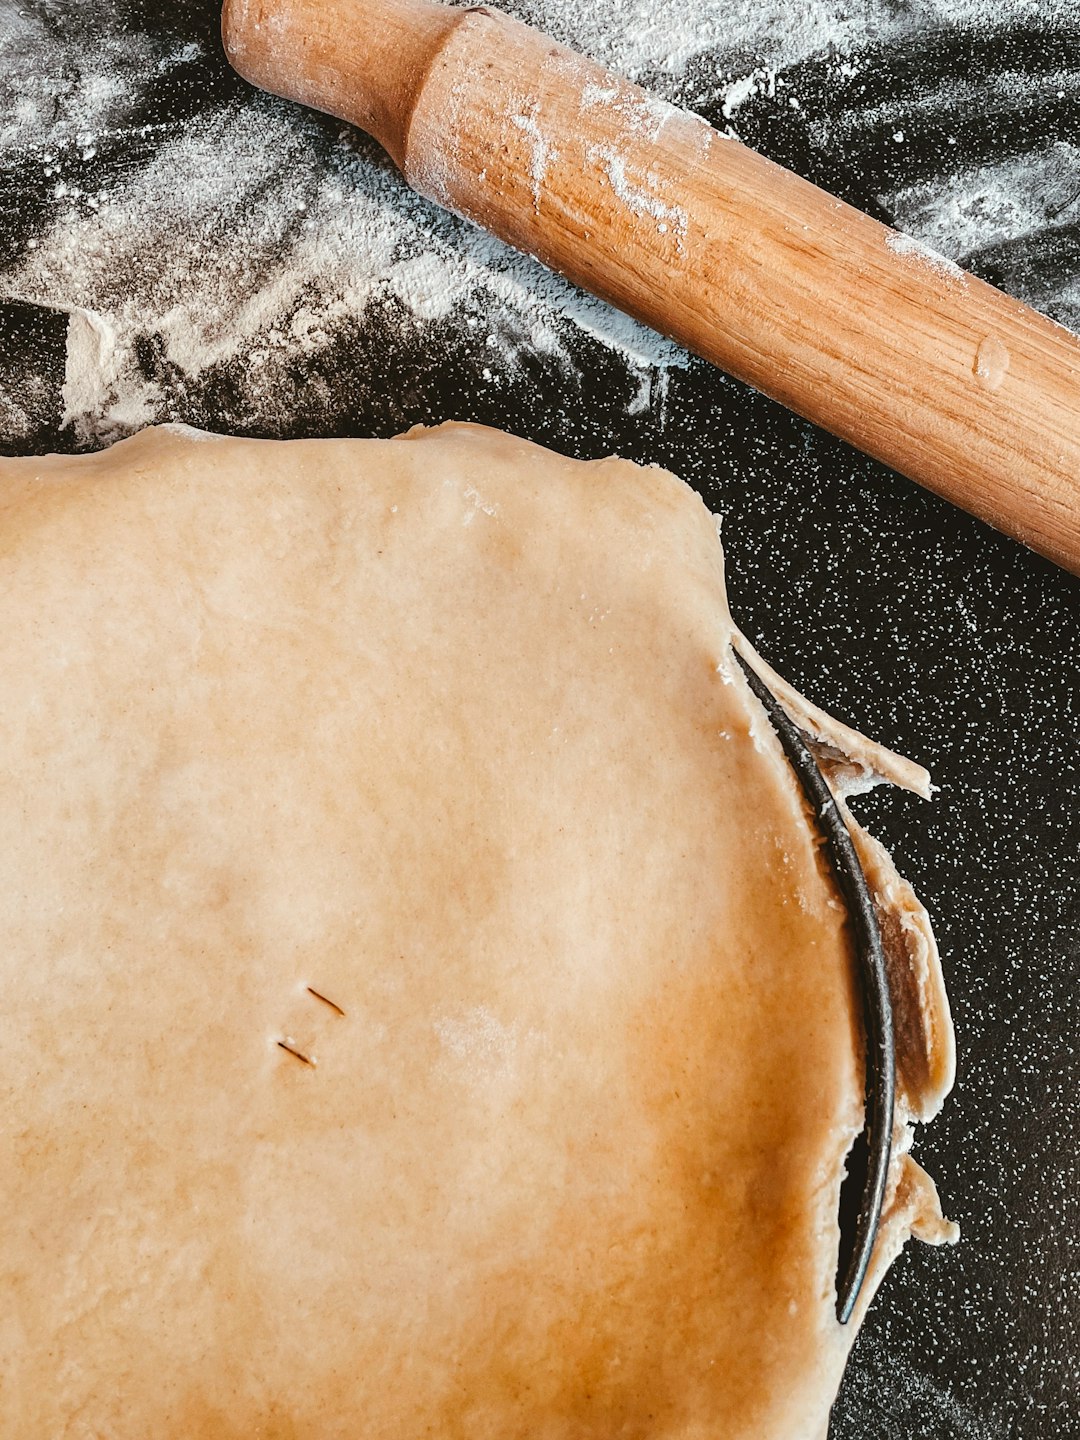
427	759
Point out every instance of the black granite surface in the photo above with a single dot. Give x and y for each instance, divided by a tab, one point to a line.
894	611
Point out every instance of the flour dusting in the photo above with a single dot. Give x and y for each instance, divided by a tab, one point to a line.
241	242
923	254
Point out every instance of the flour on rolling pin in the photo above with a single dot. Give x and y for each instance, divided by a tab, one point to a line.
221	254
528	137
645	116
924	254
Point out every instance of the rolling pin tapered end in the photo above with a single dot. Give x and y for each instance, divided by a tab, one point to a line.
361	60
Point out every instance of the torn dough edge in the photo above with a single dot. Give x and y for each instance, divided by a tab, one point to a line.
925	1042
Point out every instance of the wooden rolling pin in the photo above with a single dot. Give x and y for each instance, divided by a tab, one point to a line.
848	323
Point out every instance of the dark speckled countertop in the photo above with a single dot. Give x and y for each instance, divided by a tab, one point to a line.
892	610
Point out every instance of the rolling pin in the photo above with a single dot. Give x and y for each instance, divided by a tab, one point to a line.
852	325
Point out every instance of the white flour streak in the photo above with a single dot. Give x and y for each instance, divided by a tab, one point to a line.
923	254
643	114
758	82
1000	205
639	193
994	202
542	151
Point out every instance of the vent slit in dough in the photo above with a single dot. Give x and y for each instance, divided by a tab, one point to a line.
441	729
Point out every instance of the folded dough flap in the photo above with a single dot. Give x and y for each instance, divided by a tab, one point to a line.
850	762
925	1045
925	1050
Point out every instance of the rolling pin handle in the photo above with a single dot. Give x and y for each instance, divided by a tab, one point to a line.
360	60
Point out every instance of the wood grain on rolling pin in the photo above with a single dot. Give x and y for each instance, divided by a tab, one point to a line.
922	366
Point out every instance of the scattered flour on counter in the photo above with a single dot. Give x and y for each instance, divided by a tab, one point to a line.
264	256
641	38
425	283
1003	207
95	384
759	82
995	202
238	241
62	85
